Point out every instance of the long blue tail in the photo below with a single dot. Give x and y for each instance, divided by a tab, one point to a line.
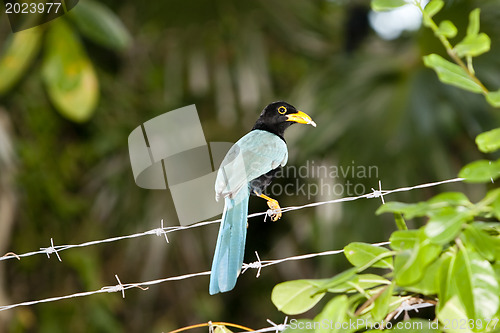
230	247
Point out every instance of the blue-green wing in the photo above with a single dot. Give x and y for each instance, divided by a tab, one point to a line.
253	155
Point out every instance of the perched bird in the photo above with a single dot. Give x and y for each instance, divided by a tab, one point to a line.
248	168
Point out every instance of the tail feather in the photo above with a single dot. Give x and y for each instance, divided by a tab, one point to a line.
230	248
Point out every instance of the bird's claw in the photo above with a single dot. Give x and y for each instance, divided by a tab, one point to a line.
276	209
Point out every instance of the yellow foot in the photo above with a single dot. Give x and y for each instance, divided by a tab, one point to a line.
274	205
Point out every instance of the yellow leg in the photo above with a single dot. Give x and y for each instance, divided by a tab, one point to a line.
273	204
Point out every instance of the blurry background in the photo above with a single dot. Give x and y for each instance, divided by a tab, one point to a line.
73	89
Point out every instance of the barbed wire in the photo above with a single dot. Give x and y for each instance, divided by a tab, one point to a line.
259	264
121	287
163	231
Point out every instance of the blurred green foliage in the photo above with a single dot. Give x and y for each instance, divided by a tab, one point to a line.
68	114
68	74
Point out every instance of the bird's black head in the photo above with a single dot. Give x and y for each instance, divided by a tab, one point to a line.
278	116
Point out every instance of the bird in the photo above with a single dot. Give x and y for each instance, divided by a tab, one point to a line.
247	169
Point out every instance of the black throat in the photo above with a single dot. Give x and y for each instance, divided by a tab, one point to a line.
277	129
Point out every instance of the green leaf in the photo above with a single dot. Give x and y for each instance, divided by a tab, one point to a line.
408	210
478	239
451	73
295	297
19	51
100	24
333	312
68	74
476	284
381	303
446	199
494	196
481	171
392	207
453	311
444	224
383	5
360	254
493	97
447	29
338	279
486	290
357	282
404	239
473	27
489	206
473	45
410	264
496	268
433	7
403	263
445	287
489	141
367	281
429	284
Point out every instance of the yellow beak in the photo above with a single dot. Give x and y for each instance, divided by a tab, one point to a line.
301	118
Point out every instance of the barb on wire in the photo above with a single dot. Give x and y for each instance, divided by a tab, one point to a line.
276	328
121	287
162	230
51	249
378	193
256	264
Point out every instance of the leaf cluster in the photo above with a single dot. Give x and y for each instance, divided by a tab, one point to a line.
453	261
459	73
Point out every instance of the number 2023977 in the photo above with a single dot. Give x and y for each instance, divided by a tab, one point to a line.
32	8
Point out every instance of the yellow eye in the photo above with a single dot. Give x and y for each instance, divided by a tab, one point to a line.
282	110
